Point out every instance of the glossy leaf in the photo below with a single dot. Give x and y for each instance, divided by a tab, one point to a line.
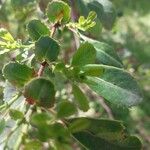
58	11
115	85
65	109
103	133
105	54
92	142
78	124
92	70
80	98
17	74
85	54
15	114
41	91
47	49
36	29
2	125
104	128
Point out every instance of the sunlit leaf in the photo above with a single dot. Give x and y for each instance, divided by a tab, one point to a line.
115	85
86	54
37	29
105	54
5	35
58	11
46	48
17	74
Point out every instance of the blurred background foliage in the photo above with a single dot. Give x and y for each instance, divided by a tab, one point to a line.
130	36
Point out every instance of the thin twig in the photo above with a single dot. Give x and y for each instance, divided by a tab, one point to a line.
106	108
101	101
74	17
44	64
41	69
53	30
74	13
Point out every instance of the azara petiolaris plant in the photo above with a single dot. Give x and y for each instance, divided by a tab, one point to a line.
45	95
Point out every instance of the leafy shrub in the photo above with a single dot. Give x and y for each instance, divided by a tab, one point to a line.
39	110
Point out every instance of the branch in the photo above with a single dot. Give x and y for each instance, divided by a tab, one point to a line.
44	64
41	69
74	17
74	14
93	95
106	108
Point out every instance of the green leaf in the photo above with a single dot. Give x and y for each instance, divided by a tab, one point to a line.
92	142
55	130
104	128
17	74
105	54
7	42
47	49
41	91
85	24
96	30
5	35
37	29
86	54
78	124
80	98
65	109
104	8
115	85
58	11
105	12
2	126
15	114
92	70
102	133
40	119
